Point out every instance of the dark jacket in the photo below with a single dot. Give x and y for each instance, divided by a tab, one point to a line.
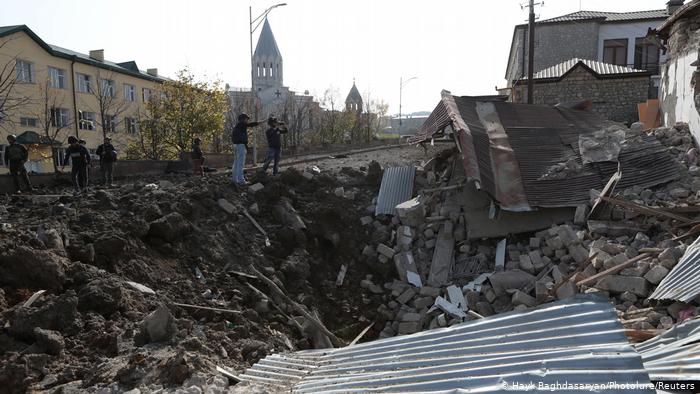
197	153
240	132
79	155
15	153
107	153
274	137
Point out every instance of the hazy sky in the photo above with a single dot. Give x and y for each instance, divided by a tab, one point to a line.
459	45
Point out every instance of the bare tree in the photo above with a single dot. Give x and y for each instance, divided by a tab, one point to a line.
53	119
109	105
10	100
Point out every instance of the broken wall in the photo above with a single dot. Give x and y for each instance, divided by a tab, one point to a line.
680	80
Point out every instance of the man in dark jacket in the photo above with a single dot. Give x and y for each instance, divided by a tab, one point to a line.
274	144
240	145
197	157
15	156
108	155
80	159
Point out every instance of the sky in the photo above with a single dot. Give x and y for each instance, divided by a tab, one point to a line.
458	45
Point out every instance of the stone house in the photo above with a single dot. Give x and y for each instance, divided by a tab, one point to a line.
618	38
680	76
613	90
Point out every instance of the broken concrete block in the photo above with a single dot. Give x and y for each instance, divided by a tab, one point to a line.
535	243
557	275
484	309
555	243
627	296
566	290
578	252
429	233
365	220
429	291
406	296
441	265
227	206
411	212
456	297
385	250
423	302
581	215
410	327
489	294
369	251
404	263
159	325
512	279
619	284
536	259
339	191
656	274
256	187
520	298
567	235
526	265
254	209
411	317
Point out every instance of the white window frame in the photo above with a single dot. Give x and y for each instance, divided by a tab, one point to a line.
129	92
25	71
108	87
57	77
110	125
131	125
86	122
26	121
146	93
84	82
60	117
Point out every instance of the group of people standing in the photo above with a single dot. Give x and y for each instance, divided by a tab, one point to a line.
76	154
240	143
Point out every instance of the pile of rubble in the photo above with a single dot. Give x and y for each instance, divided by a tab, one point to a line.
622	252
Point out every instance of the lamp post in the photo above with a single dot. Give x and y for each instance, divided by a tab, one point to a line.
402	83
257	20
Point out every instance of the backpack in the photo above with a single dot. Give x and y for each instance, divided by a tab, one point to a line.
15	153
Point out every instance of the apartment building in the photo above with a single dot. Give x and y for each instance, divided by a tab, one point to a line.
74	89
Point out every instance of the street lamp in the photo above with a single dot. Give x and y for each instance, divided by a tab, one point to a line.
402	83
257	20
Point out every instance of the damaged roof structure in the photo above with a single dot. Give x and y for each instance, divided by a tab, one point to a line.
681	284
673	355
579	341
528	157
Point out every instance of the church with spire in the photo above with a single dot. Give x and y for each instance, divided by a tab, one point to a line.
271	97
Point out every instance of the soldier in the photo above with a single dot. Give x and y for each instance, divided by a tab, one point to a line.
80	159
15	157
108	155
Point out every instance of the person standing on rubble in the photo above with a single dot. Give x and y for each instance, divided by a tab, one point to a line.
240	144
15	156
80	159
197	157
108	155
274	144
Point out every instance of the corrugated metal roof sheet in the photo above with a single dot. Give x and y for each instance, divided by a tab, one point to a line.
682	284
673	355
598	68
397	187
541	137
608	16
578	340
687	10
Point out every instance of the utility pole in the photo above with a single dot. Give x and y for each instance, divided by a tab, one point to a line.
531	53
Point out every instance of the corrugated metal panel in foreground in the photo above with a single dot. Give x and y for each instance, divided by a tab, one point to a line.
578	341
397	187
673	355
681	284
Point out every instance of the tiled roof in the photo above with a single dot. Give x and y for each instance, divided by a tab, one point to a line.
599	68
125	68
608	16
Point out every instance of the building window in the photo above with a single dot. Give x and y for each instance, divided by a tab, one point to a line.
57	77
59	117
129	92
615	51
27	122
58	155
646	55
146	95
108	88
86	120
132	126
84	82
110	125
25	71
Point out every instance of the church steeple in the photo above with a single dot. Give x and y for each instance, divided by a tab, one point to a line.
267	60
354	100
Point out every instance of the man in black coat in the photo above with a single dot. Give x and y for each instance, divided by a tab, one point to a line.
240	145
274	144
108	155
15	156
79	157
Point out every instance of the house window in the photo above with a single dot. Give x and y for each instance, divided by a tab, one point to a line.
25	71
146	95
57	77
615	51
86	120
163	95
132	126
84	82
107	87
646	55
110	125
129	92
27	122
59	117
